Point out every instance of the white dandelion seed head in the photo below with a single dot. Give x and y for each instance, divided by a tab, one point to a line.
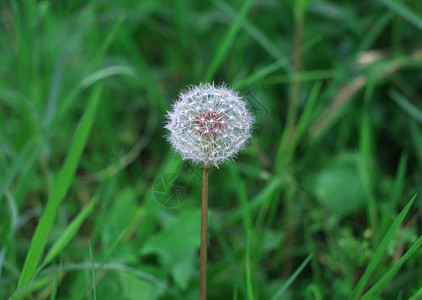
209	124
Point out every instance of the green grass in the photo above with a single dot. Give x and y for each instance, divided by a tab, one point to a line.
64	179
379	251
91	256
316	207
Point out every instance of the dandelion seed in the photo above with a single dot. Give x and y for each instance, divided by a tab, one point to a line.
208	124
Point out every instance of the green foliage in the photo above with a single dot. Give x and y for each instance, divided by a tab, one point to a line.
64	180
176	246
402	10
316	207
381	248
69	233
289	281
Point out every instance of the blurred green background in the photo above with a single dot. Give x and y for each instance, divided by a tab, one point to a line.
310	210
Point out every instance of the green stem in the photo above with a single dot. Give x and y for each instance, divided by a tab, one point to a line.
284	148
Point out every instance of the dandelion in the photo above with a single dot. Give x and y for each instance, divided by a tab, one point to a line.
208	125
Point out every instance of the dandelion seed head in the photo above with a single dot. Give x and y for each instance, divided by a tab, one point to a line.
209	124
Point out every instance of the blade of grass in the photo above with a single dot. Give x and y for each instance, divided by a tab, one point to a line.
302	124
227	41
407	106
366	158
2	259
315	267
25	177
53	95
396	191
69	232
380	250
380	285
292	278
346	93
377	27
99	56
230	257
134	152
89	80
65	178
27	289
118	70
235	293
252	30
248	268
255	202
86	266
305	118
14	215
243	197
263	72
107	72
313	290
303	76
56	283
404	12
416	138
18	163
399	182
91	257
104	259
417	295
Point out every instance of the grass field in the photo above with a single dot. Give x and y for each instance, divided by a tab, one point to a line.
324	203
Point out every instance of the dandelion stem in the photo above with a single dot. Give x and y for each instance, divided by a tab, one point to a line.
204	229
